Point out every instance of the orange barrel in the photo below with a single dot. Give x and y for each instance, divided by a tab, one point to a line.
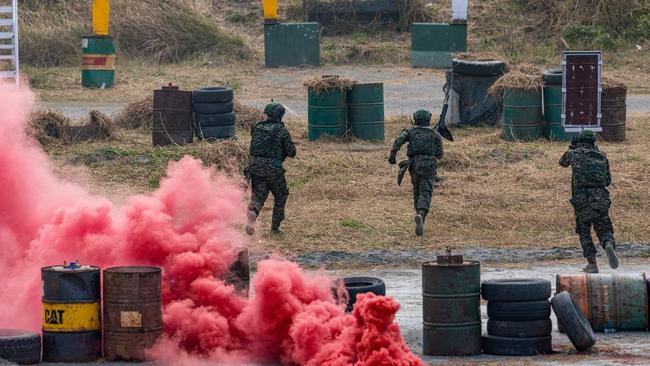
609	301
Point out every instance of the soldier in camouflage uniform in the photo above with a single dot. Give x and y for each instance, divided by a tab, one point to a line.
424	149
271	144
591	201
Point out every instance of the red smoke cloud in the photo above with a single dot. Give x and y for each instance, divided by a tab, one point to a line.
189	226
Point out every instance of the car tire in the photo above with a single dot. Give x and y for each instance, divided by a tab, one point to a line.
553	77
573	321
215	120
217	94
363	285
521	329
20	347
516	290
479	68
213	108
503	346
216	133
519	311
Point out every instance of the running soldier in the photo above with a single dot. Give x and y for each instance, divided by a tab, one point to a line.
424	149
271	144
590	198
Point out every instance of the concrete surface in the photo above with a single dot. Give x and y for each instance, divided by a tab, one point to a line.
625	348
406	90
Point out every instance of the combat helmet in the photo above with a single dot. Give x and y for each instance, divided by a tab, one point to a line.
422	118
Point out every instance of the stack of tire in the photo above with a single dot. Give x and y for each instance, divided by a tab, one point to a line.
214	118
519	313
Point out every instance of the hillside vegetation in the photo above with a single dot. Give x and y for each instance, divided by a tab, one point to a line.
218	31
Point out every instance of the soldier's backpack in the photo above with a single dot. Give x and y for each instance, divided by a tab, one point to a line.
421	141
590	168
264	142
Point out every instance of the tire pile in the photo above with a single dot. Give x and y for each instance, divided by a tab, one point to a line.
519	314
213	113
20	347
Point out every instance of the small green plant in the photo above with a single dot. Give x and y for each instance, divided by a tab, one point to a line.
352	224
587	36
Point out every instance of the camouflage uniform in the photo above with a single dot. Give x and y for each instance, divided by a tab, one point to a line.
590	198
424	149
271	144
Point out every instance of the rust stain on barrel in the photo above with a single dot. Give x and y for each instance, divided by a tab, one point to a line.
132	312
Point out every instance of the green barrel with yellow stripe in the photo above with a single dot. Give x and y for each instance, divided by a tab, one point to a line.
98	65
71	313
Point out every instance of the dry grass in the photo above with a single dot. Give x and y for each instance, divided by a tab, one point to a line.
247	116
516	79
328	82
495	194
49	126
136	115
344	194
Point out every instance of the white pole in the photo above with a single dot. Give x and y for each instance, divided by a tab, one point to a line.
459	10
16	45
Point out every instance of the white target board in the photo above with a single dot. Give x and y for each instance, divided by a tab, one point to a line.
459	10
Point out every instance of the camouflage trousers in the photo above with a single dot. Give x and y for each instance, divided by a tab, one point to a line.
592	210
276	184
422	192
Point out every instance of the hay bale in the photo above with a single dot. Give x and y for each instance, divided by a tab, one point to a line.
521	78
48	126
98	126
478	56
231	156
329	82
610	83
136	115
247	116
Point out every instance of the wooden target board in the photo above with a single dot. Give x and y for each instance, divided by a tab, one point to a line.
581	91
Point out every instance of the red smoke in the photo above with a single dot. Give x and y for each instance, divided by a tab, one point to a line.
189	226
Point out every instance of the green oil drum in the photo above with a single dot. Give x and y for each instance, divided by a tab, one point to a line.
451	309
553	129
522	115
366	111
327	113
98	66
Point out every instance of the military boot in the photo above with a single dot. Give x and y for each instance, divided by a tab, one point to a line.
250	223
591	267
611	255
419	224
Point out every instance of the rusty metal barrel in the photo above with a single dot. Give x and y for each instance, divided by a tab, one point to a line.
614	110
172	117
610	301
132	312
451	305
71	313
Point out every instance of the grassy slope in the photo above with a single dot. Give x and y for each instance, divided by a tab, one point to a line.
344	195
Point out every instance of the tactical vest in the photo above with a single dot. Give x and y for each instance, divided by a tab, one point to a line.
265	142
421	141
589	168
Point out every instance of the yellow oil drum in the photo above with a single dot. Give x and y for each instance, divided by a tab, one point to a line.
270	11
71	313
101	13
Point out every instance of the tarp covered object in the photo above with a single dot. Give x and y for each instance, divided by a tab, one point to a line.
470	102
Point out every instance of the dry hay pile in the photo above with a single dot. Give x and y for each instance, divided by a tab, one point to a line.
610	83
136	115
328	82
479	56
247	116
49	126
230	156
102	124
523	77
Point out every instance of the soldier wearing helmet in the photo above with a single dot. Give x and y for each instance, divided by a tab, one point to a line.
271	144
590	198
424	149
